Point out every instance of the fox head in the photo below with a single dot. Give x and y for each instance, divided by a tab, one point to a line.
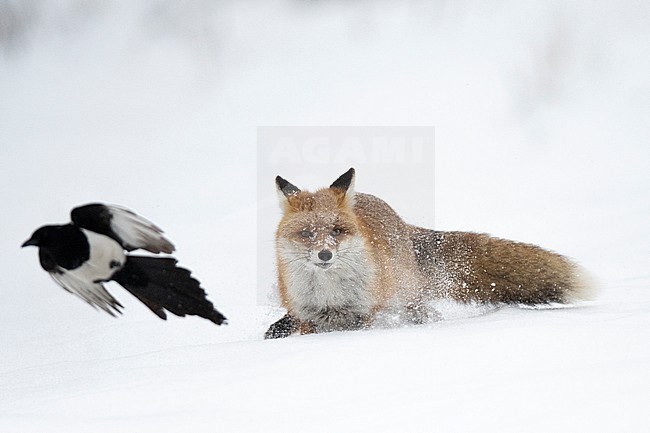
318	229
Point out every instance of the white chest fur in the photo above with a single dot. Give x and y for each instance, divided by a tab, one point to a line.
332	298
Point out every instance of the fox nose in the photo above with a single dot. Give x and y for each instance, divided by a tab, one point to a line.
325	255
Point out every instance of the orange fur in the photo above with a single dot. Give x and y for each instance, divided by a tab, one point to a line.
375	261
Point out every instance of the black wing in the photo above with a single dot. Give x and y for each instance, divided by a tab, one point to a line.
124	226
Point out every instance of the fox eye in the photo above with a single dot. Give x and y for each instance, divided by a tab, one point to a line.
306	234
335	232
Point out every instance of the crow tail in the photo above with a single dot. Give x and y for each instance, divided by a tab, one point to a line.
161	285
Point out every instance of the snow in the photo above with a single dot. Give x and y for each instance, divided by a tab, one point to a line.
540	112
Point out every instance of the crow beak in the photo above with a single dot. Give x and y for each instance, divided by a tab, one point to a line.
29	242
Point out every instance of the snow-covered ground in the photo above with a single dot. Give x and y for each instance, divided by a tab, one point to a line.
540	111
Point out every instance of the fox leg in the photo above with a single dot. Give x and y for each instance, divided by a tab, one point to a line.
284	327
307	328
416	311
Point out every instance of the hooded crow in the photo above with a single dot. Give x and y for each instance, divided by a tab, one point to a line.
92	249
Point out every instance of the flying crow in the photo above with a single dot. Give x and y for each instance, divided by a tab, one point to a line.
91	250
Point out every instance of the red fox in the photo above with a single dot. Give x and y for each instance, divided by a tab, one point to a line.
344	257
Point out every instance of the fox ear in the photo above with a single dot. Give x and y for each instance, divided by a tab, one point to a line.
344	185
285	187
286	190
